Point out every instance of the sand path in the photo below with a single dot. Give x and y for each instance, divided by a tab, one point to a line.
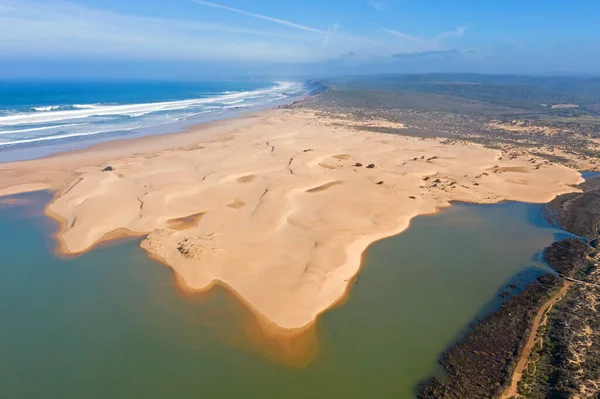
512	390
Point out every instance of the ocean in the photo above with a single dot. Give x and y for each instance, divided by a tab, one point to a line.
42	118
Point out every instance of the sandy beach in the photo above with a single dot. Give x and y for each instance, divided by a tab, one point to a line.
278	206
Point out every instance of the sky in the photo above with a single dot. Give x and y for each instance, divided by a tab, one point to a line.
195	38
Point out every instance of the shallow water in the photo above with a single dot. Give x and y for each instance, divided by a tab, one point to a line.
112	324
42	118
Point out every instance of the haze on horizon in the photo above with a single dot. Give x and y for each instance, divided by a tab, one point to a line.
197	38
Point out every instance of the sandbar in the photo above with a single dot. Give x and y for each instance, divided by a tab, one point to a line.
277	206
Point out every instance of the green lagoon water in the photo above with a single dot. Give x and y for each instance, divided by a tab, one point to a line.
112	324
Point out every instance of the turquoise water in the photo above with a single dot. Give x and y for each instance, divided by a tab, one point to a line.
41	118
112	324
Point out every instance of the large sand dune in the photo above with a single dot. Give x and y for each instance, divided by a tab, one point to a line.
278	207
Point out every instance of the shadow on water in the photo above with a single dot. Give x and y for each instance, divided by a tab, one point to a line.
112	323
512	287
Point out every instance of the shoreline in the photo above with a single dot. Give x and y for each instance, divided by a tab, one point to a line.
480	363
523	360
19	153
513	377
291	347
222	131
155	140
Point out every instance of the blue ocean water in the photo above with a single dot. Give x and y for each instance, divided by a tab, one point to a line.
40	118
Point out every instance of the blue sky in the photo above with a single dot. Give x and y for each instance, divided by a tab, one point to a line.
297	36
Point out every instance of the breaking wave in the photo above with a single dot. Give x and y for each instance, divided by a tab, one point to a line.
56	122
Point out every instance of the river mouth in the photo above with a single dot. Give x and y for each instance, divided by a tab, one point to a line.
113	323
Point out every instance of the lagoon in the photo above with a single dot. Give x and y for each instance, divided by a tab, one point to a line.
113	323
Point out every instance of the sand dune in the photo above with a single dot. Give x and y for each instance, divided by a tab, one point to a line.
278	207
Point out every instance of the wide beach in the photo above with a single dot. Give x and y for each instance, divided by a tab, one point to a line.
278	206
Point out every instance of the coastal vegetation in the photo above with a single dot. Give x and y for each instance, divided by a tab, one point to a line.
539	94
566	360
480	364
554	117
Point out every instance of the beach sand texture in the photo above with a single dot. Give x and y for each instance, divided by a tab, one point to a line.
278	206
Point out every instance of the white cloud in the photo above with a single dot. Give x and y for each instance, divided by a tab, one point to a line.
403	35
332	29
57	29
458	32
329	32
429	44
377	5
259	16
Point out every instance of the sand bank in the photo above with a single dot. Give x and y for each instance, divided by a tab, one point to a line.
23	188
279	206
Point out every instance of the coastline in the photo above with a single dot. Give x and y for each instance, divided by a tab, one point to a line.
480	363
523	359
295	348
186	113
89	160
184	137
472	362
